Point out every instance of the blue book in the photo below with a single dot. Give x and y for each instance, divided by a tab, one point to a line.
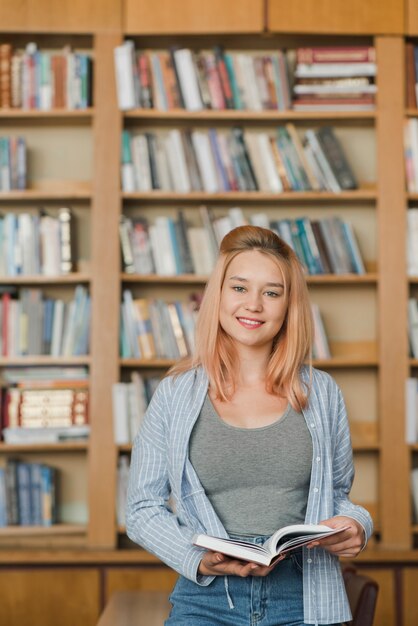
24	494
3	498
36	493
218	161
236	93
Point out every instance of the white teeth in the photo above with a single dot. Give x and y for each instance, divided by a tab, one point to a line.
251	322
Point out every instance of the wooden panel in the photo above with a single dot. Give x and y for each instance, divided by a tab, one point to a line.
410	604
135	607
62	16
392	294
139	579
411	17
105	297
49	597
190	16
386	599
336	16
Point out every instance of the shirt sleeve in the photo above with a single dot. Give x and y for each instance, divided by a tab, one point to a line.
150	522
343	474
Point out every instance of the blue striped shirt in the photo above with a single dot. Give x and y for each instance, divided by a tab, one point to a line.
167	504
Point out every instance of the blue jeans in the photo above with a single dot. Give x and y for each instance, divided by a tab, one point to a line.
273	600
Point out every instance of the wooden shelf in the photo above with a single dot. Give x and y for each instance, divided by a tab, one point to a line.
414	447
346	354
61	279
52	113
256	116
64	446
11	361
357	195
411	112
196	279
51	190
56	529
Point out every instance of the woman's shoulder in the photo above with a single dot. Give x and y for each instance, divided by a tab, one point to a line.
318	381
183	381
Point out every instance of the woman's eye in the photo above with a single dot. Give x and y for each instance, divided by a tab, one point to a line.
272	294
239	288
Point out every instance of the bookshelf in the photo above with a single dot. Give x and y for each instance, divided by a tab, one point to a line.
343	298
370	359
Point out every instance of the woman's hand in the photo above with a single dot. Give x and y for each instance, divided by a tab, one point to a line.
347	543
217	564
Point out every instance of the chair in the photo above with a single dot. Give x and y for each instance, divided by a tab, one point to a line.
362	596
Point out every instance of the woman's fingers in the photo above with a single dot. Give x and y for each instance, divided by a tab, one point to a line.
216	564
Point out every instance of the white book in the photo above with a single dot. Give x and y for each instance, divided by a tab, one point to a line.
177	162
120	413
188	79
236	216
137	403
162	251
282	541
412	241
336	88
222	226
248	82
200	249
124	56
142	167
260	219
122	489
321	345
50	246
57	326
334	70
331	181
413	326
268	163
254	149
205	161
411	414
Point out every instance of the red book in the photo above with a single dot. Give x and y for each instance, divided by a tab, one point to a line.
336	54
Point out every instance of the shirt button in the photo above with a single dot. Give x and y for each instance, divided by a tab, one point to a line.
309	560
318	458
313	425
316	489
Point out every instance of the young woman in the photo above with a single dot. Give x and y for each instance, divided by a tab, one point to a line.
242	439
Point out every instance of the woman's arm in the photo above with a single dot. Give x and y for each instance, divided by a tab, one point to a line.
358	520
149	519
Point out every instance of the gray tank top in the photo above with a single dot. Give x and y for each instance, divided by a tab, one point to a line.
257	479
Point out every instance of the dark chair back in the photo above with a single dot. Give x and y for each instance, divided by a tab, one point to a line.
362	596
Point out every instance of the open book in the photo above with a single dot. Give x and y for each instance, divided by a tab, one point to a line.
282	541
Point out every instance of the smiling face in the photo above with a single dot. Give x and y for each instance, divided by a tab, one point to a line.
253	303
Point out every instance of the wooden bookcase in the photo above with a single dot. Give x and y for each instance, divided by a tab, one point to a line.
366	315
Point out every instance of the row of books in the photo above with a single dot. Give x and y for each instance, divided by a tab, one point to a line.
212	79
217	160
50	395
411	154
45	405
412	241
122	479
28	494
129	403
170	247
157	329
411	62
44	80
411	416
413	326
33	324
36	243
13	167
165	330
332	77
335	79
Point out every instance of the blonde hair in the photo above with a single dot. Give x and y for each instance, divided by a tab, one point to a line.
215	351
